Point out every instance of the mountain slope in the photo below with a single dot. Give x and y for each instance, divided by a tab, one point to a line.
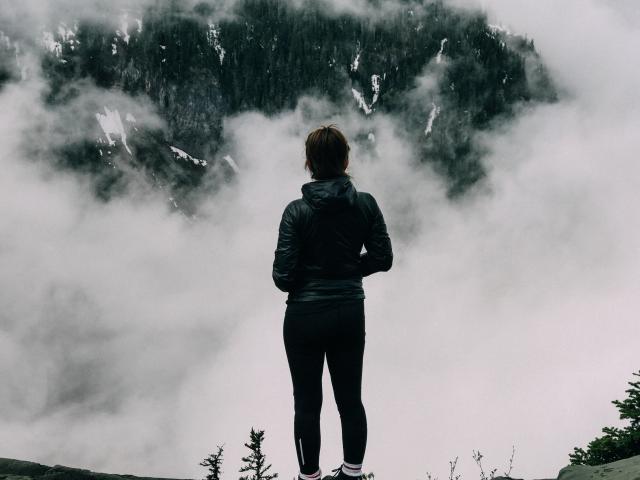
197	68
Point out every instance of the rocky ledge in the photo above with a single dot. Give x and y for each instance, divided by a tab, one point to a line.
20	470
627	469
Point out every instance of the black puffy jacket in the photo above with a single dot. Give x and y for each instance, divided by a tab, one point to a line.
320	239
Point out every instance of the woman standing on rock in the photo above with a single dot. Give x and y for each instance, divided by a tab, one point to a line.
318	261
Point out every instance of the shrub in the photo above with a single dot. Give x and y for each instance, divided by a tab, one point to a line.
616	443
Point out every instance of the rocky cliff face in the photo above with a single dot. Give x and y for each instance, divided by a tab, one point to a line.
197	67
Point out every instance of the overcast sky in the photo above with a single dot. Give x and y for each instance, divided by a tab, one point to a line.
134	341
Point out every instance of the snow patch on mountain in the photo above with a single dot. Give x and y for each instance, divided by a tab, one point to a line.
356	62
111	124
124	28
367	108
213	37
435	111
51	44
64	35
67	34
231	163
185	156
439	56
499	28
375	86
361	102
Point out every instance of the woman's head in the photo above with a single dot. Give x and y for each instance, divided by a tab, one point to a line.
327	152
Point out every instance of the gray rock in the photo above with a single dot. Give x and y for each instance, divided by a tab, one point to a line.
627	469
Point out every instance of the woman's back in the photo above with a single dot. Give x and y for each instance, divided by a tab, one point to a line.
320	239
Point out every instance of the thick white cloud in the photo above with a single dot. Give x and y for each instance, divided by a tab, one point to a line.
134	341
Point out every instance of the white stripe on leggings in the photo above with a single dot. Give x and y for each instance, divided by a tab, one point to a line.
301	452
352	469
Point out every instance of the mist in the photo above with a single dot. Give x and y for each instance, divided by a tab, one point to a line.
135	340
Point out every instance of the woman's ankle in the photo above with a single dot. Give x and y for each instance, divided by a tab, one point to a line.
352	469
317	475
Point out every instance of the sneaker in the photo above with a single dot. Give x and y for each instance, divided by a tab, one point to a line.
337	473
340	475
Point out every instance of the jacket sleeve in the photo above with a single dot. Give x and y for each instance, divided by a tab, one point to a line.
287	251
379	254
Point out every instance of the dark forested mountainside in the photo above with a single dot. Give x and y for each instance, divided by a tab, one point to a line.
197	70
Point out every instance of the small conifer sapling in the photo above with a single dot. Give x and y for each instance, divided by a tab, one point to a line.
214	463
256	460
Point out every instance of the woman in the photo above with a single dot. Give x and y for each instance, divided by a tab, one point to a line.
318	262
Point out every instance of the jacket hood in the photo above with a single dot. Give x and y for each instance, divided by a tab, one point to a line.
330	195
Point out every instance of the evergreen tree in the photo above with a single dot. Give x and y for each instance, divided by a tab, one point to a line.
255	461
214	463
616	443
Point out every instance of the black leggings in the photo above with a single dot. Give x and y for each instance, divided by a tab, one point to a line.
310	330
